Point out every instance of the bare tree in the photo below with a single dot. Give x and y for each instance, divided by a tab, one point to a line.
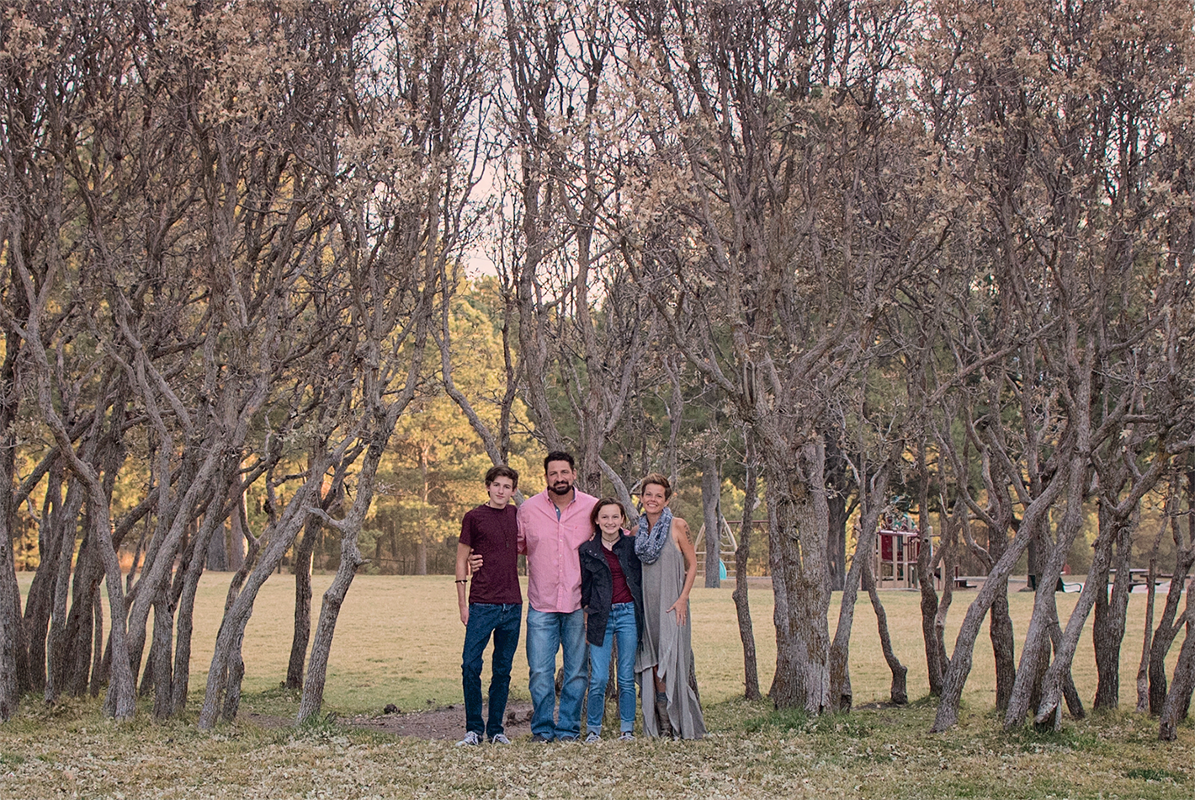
751	108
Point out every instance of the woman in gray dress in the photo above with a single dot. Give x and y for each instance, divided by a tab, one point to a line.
664	666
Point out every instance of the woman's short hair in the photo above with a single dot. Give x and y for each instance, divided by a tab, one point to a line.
659	480
606	501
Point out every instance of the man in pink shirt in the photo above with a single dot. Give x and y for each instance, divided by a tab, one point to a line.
552	525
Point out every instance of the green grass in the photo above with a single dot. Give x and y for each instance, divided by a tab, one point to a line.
399	642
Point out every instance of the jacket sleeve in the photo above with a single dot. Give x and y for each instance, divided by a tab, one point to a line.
586	584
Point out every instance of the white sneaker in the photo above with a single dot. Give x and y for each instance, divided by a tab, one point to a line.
626	736
471	738
592	738
499	738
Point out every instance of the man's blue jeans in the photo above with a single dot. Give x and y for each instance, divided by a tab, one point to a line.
621	625
503	621
548	632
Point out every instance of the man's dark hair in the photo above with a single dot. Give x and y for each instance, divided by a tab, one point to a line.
502	471
559	455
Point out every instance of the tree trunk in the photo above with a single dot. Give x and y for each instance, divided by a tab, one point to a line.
10	622
1000	630
898	692
1178	700
42	591
1035	657
160	653
223	676
936	660
838	486
1000	633
350	559
1108	627
302	630
321	646
873	497
799	498
785	680
237	536
15	634
1147	637
210	531
65	523
216	557
742	607
99	670
963	656
1167	629
711	490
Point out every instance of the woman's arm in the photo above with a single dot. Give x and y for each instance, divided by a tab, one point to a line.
680	535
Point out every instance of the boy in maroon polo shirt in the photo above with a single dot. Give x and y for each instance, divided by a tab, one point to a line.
495	603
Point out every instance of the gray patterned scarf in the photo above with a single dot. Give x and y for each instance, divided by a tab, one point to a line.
649	545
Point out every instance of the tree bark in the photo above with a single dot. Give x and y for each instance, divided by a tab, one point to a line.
1108	627
711	491
226	667
1151	595
1178	700
742	606
800	499
936	660
1035	657
963	656
874	502
302	626
898	692
210	531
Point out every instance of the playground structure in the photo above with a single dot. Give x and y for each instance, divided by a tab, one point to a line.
727	546
897	547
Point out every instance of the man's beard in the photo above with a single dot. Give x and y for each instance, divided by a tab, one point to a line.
556	490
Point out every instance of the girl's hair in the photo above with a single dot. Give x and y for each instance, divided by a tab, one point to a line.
658	480
606	501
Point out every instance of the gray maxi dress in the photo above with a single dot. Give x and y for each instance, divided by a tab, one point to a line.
668	647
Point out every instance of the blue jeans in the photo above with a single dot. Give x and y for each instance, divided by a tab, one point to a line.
622	625
548	632
504	622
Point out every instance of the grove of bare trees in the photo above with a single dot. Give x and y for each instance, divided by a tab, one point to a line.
826	251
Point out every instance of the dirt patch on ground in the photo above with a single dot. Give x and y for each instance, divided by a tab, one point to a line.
439	723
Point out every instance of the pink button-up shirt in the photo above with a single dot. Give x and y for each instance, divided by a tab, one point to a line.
553	568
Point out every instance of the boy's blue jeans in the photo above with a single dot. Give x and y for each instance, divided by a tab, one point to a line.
504	622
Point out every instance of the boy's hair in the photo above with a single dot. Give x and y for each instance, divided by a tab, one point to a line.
606	501
559	455
501	471
657	479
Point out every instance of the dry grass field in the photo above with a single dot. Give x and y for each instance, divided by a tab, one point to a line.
399	641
